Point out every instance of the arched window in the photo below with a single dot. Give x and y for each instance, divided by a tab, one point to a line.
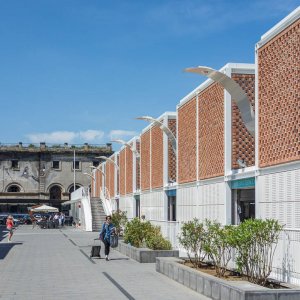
71	190
55	192
14	189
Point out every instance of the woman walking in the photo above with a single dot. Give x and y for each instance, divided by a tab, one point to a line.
9	226
107	229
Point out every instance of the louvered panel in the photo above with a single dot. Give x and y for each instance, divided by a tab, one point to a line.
279	198
152	205
187	203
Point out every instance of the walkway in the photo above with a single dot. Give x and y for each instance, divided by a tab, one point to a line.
55	264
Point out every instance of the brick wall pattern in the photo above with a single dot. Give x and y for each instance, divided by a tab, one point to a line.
157	152
187	142
129	170
211	132
145	161
279	98
122	171
171	154
138	170
243	143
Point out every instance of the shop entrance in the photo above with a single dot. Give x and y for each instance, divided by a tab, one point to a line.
243	205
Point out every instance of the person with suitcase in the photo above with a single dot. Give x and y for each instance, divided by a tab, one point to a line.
105	234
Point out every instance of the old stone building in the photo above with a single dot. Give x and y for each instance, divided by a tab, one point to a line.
44	174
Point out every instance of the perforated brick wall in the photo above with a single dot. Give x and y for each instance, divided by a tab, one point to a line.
138	170
129	168
156	157
187	142
211	132
109	174
122	172
171	154
243	143
279	98
145	161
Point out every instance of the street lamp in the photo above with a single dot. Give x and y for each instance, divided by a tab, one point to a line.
97	169
108	159
87	174
127	145
164	128
234	89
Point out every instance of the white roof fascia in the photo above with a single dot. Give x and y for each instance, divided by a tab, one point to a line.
240	68
279	27
169	114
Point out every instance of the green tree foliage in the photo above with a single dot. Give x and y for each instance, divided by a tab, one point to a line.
218	244
144	234
255	244
119	219
192	238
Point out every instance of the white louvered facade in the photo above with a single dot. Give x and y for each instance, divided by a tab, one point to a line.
153	204
279	198
205	201
127	204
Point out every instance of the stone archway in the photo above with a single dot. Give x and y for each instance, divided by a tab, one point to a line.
55	192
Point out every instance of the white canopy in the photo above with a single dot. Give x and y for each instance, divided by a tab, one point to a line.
45	208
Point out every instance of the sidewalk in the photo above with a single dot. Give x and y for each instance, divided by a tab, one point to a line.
55	264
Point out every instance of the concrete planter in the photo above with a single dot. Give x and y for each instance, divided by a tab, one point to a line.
219	289
145	255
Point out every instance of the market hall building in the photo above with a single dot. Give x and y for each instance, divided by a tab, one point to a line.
229	165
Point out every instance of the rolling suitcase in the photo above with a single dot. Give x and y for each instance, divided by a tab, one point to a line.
95	251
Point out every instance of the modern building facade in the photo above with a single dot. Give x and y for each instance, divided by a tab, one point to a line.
44	174
223	168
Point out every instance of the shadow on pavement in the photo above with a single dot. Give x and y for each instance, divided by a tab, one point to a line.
5	248
3	232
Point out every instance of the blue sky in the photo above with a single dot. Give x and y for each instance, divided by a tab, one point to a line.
81	70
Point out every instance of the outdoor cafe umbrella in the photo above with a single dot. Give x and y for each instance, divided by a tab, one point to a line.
45	208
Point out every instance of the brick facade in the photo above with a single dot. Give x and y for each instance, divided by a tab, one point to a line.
278	96
129	170
145	161
171	154
122	172
110	179
138	170
211	132
187	142
157	152
243	143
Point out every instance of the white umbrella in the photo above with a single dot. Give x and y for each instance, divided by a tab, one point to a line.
45	208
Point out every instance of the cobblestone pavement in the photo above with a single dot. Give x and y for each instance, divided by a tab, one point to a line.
55	264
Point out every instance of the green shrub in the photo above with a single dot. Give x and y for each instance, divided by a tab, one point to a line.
219	242
158	242
144	234
119	219
255	243
192	239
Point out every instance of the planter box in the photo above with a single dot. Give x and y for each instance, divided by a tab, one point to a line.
144	255
217	288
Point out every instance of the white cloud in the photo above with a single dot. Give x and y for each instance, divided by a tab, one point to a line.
121	134
52	137
91	136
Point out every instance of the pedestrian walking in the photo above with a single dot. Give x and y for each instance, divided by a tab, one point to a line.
107	230
10	226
